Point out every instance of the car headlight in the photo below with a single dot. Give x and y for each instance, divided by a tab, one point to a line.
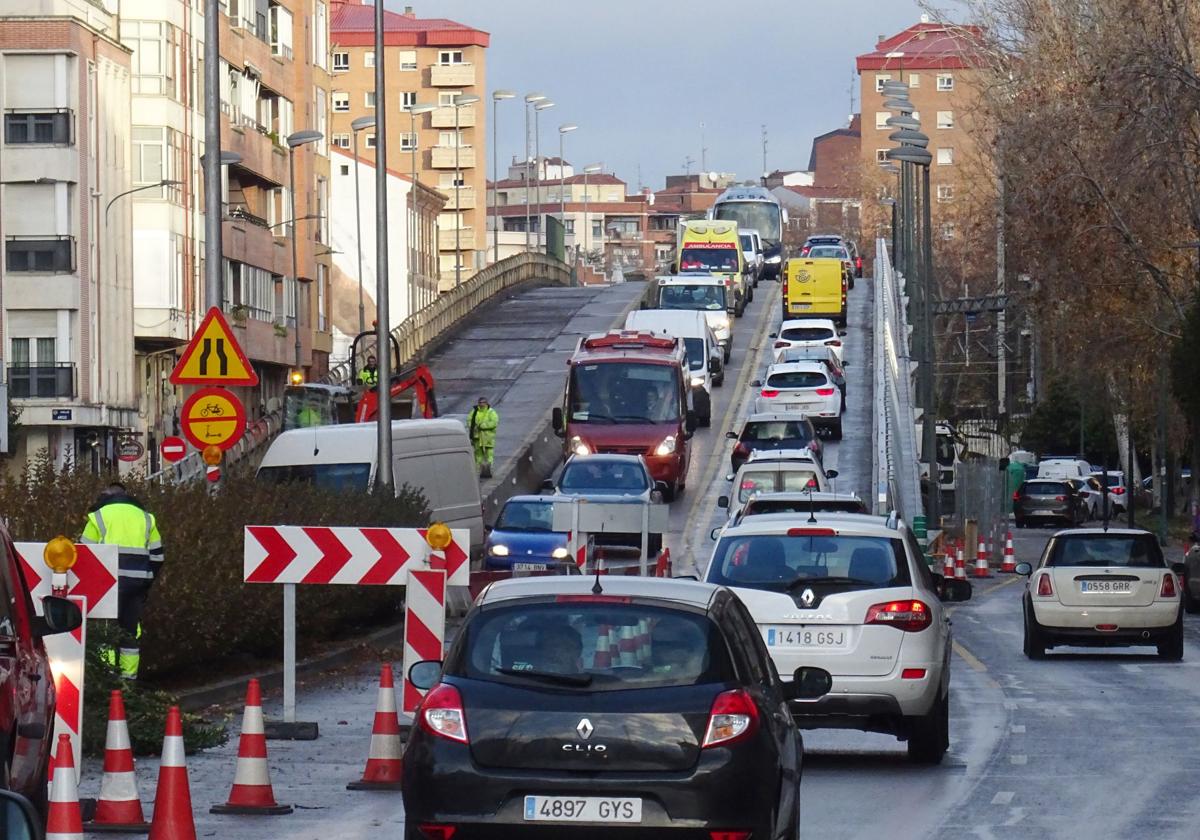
697	381
560	553
499	550
721	323
667	447
774	260
579	447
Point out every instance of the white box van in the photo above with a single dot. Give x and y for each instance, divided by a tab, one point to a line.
432	456
1064	468
705	365
701	293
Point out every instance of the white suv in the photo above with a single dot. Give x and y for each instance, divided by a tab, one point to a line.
809	332
852	594
804	387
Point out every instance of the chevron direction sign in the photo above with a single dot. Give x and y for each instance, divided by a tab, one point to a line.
343	555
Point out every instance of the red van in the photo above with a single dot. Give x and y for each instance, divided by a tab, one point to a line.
628	393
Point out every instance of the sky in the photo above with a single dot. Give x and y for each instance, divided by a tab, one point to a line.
639	76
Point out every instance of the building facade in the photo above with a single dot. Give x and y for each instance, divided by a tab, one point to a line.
430	61
67	333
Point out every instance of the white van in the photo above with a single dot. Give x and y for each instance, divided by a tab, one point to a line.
1064	468
432	456
698	292
703	352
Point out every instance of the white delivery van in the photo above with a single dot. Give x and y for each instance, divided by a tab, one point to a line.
1064	468
432	456
699	292
700	344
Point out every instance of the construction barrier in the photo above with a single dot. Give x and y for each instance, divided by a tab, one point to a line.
424	626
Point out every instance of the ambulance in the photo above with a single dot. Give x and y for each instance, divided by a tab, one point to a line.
714	247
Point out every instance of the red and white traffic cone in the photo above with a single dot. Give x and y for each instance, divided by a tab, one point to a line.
662	566
981	561
173	800
252	792
119	808
948	561
603	658
960	564
627	647
65	820
383	756
1009	563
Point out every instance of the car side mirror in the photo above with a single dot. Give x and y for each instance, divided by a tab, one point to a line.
841	332
1025	569
772	335
18	817
714	533
425	674
831	473
687	577
689	423
956	590
674	268
845	364
731	435
548	484
656	497
723	502
757	383
808	683
59	615
1179	569
556	421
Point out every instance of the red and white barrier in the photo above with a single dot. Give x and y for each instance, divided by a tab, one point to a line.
94	576
66	654
424	625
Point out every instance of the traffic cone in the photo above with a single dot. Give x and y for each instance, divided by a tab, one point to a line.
948	562
603	656
383	756
173	800
65	820
119	808
960	565
627	647
1009	563
981	561
252	793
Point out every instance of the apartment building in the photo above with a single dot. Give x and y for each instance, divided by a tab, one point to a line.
832	200
430	61
66	335
936	61
273	82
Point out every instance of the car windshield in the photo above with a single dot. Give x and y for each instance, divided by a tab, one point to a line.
766	481
780	562
526	516
777	431
763	216
694	347
1114	479
1134	551
807	333
747	241
679	296
603	476
828	251
1044	488
709	257
764	506
592	644
327	476
797	379
624	392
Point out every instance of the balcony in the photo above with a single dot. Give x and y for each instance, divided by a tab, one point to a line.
452	75
442	157
444	117
466	239
466	198
42	381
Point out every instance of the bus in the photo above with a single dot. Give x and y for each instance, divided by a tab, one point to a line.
755	208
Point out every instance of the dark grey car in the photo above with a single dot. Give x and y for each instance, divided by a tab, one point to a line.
1046	500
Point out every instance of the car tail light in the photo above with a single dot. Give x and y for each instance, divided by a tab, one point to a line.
434	831
1045	588
804	251
733	717
729	835
910	616
770	393
741	449
858	262
442	714
1106	628
833	342
1118	491
1168	586
825	392
912	674
779	344
1060	498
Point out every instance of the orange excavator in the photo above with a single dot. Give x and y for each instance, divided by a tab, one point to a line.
411	392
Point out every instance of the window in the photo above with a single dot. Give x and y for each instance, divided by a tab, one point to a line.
34	127
341	101
880	78
450	139
945	192
408	59
320	30
321	109
342	141
344	168
370	141
35	371
948	230
249	288
49	254
322	297
945	119
280	21
341	61
945	81
881	118
150	159
369	58
945	156
446	97
370	99
152	62
881	156
914	80
408	99
450	57
408	141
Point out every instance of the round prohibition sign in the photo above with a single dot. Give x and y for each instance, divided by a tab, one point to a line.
213	417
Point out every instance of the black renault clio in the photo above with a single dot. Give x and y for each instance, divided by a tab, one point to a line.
614	706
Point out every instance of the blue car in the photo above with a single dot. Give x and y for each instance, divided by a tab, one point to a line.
522	540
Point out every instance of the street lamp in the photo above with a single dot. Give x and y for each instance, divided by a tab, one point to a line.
563	130
538	164
460	102
497	97
295	140
530	99
414	221
587	227
910	137
355	127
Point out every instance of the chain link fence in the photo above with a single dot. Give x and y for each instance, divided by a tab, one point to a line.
981	498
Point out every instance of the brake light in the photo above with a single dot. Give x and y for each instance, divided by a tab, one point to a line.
441	714
833	342
811	532
912	674
825	392
729	835
770	393
1168	586
779	344
858	262
910	616
1045	588
1060	498
741	449
1118	491
733	717
436	832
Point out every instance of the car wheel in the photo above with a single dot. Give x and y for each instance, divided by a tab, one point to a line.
1020	523
718	381
1190	602
740	309
750	293
727	352
850	284
1170	647
705	420
835	431
929	734
1035	640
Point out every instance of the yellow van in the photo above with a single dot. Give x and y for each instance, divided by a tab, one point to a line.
714	247
814	288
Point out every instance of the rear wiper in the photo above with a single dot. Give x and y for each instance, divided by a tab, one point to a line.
580	680
807	581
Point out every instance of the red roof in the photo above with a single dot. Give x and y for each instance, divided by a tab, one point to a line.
353	25
925	46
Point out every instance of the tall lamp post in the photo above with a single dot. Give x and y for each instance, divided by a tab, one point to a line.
294	141
538	169
587	225
355	127
530	99
563	130
460	102
497	97
413	220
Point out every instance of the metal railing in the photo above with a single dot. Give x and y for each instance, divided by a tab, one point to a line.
980	494
896	466
41	381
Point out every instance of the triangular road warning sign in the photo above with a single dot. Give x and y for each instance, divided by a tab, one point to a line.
213	357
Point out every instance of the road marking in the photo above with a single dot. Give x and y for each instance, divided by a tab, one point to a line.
989	590
1003	797
1133	669
1010	705
1018	759
971	659
1018	728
